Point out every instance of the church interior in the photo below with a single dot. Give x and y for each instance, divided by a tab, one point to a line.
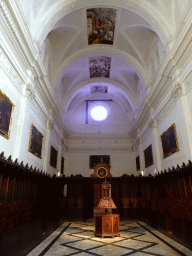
94	91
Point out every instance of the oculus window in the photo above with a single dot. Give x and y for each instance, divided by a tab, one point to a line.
99	113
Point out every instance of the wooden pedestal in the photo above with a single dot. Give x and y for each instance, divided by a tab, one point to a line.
107	225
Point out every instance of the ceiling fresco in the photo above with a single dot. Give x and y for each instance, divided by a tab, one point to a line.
99	66
99	88
101	25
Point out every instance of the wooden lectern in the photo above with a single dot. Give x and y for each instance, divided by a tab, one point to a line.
106	224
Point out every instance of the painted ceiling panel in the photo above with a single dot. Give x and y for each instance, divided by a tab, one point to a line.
88	44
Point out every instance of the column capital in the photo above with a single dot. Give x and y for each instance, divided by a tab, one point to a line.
177	90
30	92
139	140
152	123
50	124
61	141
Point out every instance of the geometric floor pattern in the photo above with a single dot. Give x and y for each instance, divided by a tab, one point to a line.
136	239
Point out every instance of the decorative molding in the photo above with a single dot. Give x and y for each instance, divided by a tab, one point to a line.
30	92
98	149
183	49
188	83
99	136
13	29
50	124
139	141
152	123
61	141
176	74
10	71
177	91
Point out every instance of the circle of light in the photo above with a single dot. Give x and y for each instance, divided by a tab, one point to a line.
99	113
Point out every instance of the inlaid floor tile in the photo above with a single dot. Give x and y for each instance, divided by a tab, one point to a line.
73	231
133	244
136	238
86	244
129	234
161	250
85	234
84	254
68	239
60	251
110	250
108	239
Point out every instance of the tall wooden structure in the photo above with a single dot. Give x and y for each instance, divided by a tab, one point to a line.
106	224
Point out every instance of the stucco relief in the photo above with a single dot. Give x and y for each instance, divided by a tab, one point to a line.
30	92
188	84
7	67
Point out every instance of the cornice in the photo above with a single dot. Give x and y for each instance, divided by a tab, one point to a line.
21	22
10	71
24	47
166	75
188	82
14	31
98	136
98	149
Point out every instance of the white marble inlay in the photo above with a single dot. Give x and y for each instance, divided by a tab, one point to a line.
162	250
60	251
80	236
86	244
133	244
110	250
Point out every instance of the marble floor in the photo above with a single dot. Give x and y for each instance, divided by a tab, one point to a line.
136	238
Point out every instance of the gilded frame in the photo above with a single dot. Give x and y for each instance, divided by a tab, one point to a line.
6	114
100	169
35	142
169	141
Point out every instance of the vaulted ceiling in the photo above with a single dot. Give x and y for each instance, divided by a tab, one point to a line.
142	34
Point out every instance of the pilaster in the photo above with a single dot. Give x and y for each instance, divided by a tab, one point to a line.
153	125
141	155
61	142
49	127
179	93
21	121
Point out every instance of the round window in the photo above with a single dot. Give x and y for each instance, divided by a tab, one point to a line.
99	113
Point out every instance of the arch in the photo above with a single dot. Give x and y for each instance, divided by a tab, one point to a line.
110	52
59	10
69	97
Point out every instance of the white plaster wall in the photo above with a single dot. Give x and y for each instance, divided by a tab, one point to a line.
54	141
148	139
7	87
27	157
116	122
137	153
18	143
189	101
78	163
176	116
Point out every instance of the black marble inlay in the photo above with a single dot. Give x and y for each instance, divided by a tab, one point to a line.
171	246
54	240
136	235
